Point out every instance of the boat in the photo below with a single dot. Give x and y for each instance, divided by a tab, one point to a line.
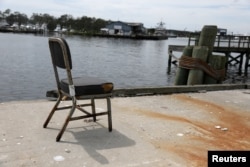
160	30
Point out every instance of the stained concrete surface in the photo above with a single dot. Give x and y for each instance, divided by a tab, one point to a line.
167	130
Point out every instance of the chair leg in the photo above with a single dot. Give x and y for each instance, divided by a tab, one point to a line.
58	138
93	109
52	112
109	114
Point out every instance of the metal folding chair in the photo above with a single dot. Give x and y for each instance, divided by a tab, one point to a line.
80	88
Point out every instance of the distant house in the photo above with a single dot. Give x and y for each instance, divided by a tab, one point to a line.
222	31
3	23
124	28
58	28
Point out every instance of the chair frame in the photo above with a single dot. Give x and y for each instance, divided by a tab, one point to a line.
63	95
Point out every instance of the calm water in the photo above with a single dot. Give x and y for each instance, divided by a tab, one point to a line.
26	70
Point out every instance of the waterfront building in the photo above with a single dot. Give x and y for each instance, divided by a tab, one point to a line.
125	28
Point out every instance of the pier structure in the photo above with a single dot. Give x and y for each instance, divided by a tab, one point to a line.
235	48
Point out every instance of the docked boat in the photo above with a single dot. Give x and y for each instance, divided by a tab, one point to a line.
160	30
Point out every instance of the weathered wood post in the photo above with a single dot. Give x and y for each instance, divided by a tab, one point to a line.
217	62
240	63
247	62
207	37
196	76
169	61
206	44
182	73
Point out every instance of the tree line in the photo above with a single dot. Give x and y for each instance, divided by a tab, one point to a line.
80	24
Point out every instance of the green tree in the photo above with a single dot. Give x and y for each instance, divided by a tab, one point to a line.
17	17
98	24
4	14
82	24
7	12
36	19
51	21
65	21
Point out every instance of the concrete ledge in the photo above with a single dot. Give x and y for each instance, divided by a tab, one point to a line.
176	89
165	90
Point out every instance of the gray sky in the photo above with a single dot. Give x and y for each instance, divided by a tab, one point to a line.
191	15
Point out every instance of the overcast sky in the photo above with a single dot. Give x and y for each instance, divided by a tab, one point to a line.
234	15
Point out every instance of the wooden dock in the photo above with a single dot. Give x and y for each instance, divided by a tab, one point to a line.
235	48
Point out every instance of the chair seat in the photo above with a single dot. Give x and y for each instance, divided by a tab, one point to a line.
87	86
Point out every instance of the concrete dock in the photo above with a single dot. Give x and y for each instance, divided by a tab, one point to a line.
173	130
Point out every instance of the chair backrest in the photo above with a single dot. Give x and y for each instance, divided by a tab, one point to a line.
61	57
60	52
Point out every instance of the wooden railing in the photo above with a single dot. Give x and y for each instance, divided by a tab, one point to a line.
225	41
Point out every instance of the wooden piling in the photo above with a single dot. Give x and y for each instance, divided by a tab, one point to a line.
182	73
217	62
207	37
196	76
169	61
204	49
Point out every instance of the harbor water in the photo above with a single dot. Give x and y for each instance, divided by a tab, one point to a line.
27	73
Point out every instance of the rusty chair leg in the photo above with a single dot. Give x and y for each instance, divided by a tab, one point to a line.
52	112
109	114
58	138
93	109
